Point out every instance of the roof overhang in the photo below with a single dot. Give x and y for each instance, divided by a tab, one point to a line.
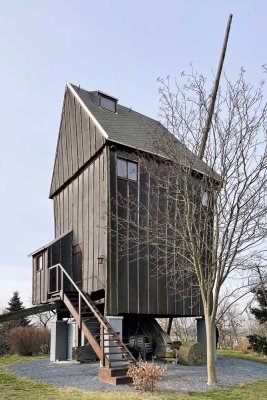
41	249
86	109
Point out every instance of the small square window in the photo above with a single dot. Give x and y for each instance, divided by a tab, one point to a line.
39	263
132	171
108	104
122	168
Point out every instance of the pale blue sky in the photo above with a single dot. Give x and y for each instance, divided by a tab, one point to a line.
118	46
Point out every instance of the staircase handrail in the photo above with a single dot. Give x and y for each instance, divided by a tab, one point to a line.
78	290
101	318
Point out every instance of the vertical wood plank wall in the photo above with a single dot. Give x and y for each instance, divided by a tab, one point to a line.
59	251
79	139
82	207
134	282
40	281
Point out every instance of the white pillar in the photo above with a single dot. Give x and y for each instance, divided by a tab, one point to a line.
71	340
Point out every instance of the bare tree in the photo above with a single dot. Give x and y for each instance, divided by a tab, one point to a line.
210	223
44	319
184	329
229	322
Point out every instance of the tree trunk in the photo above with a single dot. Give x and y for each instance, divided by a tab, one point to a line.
210	336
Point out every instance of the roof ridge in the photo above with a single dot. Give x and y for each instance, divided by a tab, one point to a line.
119	104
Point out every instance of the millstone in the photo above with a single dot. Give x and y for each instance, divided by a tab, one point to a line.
192	353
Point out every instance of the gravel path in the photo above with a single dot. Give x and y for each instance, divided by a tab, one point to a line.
176	379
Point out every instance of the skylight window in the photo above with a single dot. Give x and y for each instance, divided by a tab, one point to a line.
108	103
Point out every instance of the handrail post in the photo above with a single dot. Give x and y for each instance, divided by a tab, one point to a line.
49	281
80	311
61	280
102	345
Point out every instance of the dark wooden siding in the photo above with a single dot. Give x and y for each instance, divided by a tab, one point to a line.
40	280
58	252
79	139
82	207
139	280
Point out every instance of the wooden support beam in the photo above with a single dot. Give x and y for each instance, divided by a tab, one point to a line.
30	311
207	126
169	326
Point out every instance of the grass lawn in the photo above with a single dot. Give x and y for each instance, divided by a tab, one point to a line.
237	354
14	388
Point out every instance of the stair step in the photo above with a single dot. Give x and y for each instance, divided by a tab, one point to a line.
88	319
98	295
109	333
117	371
114	376
92	322
91	315
87	313
120	361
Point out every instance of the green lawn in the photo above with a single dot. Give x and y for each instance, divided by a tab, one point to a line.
237	354
14	388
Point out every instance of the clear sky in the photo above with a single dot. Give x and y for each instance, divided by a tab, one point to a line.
118	46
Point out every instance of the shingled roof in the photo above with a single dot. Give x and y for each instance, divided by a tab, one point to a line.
136	130
126	126
85	128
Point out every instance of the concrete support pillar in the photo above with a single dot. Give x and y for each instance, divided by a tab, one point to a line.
116	323
72	338
59	339
201	334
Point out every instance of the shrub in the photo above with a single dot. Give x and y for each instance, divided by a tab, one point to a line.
26	341
258	343
145	375
242	345
4	345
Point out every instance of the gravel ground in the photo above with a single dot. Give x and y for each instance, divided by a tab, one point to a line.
177	378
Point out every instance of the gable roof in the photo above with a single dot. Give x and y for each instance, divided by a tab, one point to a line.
140	132
85	127
126	126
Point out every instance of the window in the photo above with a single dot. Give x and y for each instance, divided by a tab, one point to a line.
205	199
108	103
122	168
127	169
132	171
39	263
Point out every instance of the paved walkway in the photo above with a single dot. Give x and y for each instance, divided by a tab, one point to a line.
176	379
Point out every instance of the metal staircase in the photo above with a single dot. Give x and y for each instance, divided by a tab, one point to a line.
113	354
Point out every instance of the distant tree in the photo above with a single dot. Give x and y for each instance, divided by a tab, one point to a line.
260	313
4	345
15	304
258	343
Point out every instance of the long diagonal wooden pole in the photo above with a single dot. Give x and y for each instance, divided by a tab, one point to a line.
207	126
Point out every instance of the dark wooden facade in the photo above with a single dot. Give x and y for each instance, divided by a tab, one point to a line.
58	251
139	278
85	190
